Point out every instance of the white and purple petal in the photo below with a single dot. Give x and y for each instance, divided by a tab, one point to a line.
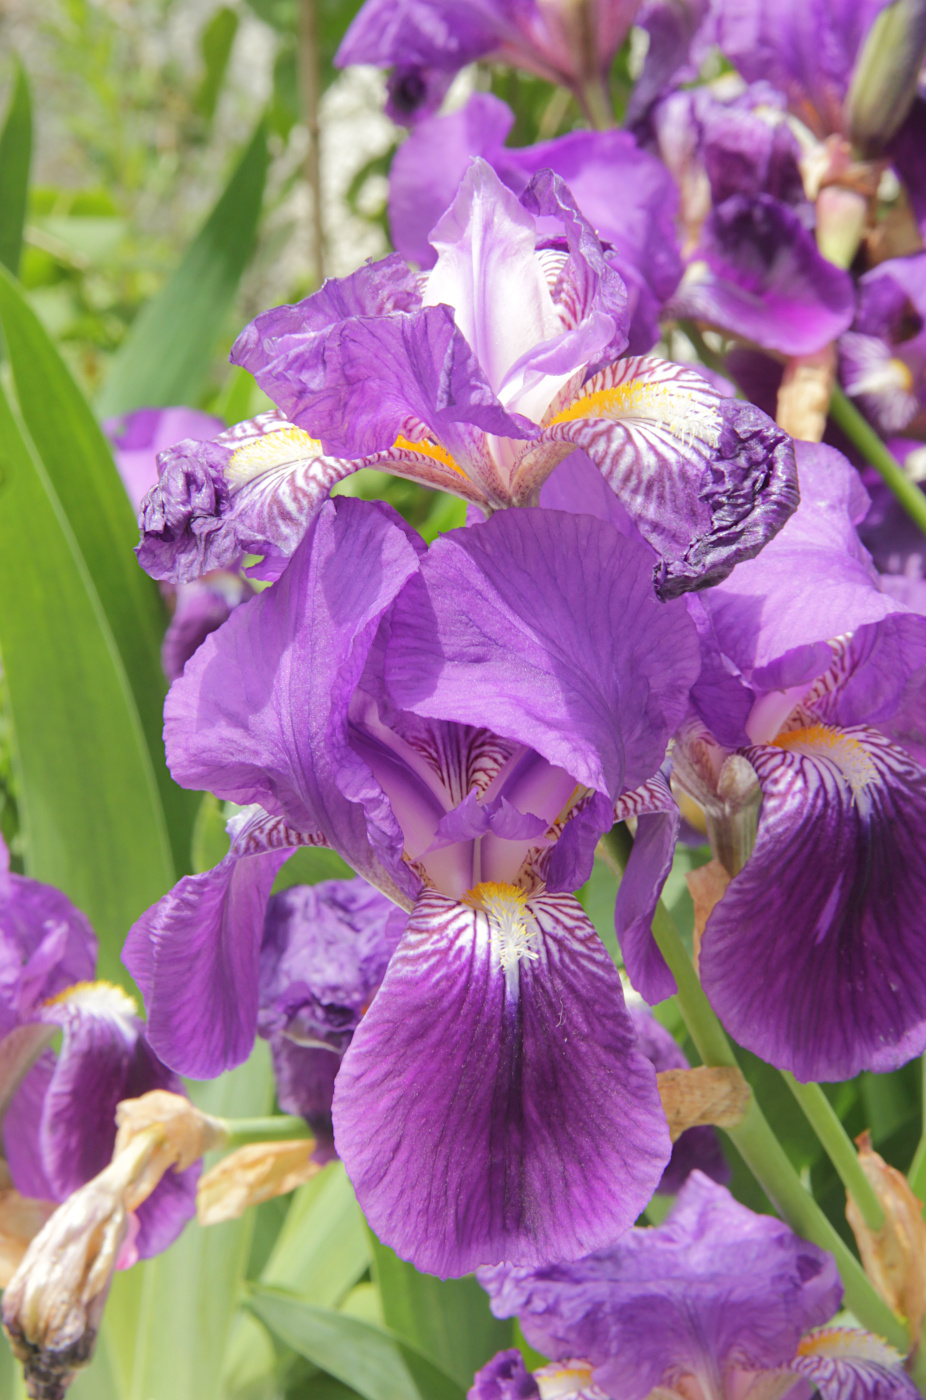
491	1105
847	1364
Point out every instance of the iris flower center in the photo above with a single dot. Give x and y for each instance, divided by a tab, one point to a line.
263	454
513	928
821	741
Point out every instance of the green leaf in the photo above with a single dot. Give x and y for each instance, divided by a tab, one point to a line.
215	44
78	464
91	820
369	1359
447	1319
15	158
210	839
166	355
321	1250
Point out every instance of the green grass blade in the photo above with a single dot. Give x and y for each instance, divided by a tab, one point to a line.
78	463
321	1251
15	159
215	44
166	355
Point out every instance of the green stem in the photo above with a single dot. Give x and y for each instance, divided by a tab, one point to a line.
754	1139
916	1176
822	1118
847	417
240	1132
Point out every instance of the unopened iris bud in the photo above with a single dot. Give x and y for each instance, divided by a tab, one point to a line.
884	82
252	1174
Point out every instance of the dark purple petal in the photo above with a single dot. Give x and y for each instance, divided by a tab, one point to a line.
505	1377
812	957
714	1287
908	154
672	31
487	1112
444	34
299	650
305	1076
138	437
46	944
846	1364
642	883
201	607
499	603
707	480
414	91
757	274
22	1124
570	861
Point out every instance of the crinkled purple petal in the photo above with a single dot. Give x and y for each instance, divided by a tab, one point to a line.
757	273
813	582
707	480
812	958
505	1377
470	1126
201	607
641	886
46	944
496	603
846	1364
714	1286
138	437
299	650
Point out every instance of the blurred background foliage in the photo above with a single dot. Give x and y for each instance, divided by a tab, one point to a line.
156	192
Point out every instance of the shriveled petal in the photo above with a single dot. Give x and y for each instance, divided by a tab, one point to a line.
299	650
505	1377
487	1112
496	631
847	1364
813	957
138	437
713	1286
707	480
757	274
642	883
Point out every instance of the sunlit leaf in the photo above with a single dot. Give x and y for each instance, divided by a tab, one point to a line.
322	1249
167	353
15	158
215	43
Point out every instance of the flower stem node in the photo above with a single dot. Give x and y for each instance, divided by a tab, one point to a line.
252	1174
691	1098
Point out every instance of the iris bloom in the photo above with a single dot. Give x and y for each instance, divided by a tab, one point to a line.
882	359
59	1124
477	379
715	1304
813	957
452	725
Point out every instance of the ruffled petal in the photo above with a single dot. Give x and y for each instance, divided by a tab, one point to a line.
813	956
138	437
846	1364
299	649
707	480
642	883
46	944
489	1112
497	602
505	1377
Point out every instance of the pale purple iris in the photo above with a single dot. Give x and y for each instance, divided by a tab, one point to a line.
625	193
324	954
449	722
426	42
198	606
813	957
477	378
59	1123
882	359
715	1304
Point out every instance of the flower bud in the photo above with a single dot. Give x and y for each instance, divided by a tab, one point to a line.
884	81
252	1174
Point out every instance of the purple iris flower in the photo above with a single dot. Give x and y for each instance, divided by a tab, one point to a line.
625	193
477	378
450	723
324	954
198	606
426	42
882	359
59	1124
714	1304
696	1148
813	957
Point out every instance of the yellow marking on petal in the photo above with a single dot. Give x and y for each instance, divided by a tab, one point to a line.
901	375
848	1342
675	409
105	995
513	928
270	450
823	741
563	1379
428	448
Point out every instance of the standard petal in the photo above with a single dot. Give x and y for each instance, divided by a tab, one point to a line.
576	659
812	958
299	650
487	1113
707	480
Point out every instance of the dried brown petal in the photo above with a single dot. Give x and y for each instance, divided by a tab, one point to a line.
894	1256
804	395
708	1094
253	1174
706	886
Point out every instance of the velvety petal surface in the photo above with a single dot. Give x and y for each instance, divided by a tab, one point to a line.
714	1285
812	958
706	479
299	650
580	662
489	1112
